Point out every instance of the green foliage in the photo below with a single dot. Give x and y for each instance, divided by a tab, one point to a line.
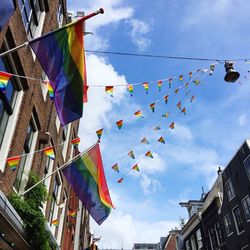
29	209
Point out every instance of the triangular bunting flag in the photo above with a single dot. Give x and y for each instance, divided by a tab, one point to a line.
152	106
183	111
157	128
49	151
186	85
165	115
159	83
130	89
75	142
170	82
131	154
138	114
116	168
109	90
161	140
135	167
144	141
178	105
13	162
192	98
145	85
149	154
166	98
50	90
55	222
120	180
119	124
181	77
171	125
4	78
72	213
196	82
190	75
99	133
177	90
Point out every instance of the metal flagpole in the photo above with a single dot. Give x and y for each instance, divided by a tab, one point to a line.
100	11
55	171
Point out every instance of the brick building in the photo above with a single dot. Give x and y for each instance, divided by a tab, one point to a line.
28	123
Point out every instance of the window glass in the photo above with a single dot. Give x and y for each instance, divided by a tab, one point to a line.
246	207
199	239
228	224
247	166
238	219
229	189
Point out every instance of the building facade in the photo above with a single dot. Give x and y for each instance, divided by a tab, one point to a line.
28	124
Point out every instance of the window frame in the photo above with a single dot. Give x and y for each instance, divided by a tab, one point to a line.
230	188
247	167
236	221
248	207
227	228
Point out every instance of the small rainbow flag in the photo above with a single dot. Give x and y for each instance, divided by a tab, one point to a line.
120	180
50	90
13	162
192	98
157	128
145	85
109	90
165	115
72	213
190	74
4	78
186	85
135	167
181	77
131	154
138	114
170	82
187	92
116	168
152	106
144	141
166	98
183	111
159	83
171	125
49	151
196	82
130	89
177	90
99	133
149	154
178	105
161	140
75	142
55	222
119	124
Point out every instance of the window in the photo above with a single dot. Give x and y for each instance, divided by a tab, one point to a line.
188	245
65	139
246	207
59	14
193	242
238	220
229	190
228	224
26	160
247	166
199	239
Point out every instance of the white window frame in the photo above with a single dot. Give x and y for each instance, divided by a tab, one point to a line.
199	239
247	166
229	187
66	142
246	197
235	221
228	216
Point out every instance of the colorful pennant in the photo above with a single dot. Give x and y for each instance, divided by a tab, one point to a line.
144	141
157	128
72	213
181	77
138	114
159	83
99	133
183	111
55	222
135	167
161	140
13	162
131	154
190	75
170	82
196	82
166	98
75	142
120	180
165	115
152	106
119	124
171	125
192	98
149	154
50	90
109	90
145	85
178	105
4	78
186	85
116	168
49	151
130	89
177	90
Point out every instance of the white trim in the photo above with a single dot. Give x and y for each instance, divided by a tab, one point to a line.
235	222
229	179
245	247
66	142
78	226
227	215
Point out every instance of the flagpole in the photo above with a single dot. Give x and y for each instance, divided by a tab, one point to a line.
55	171
100	11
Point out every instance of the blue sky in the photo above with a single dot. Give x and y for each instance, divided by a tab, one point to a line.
206	137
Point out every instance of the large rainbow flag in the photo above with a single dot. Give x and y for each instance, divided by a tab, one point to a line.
87	178
61	55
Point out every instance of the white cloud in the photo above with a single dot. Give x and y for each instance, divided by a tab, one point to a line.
242	120
138	31
182	132
149	185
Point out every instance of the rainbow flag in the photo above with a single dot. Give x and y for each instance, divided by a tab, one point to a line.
190	74
130	89
136	168
152	106
119	124
170	80
72	213
161	140
178	105
196	82
149	154
49	151
166	98
87	178
109	90
55	222
120	180
184	111
61	55
138	114
192	98
165	115
13	162
75	142
159	83
181	77
186	85
4	78
144	141
7	9
131	154
171	125
116	168
99	133
50	90
157	128
177	90
145	85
